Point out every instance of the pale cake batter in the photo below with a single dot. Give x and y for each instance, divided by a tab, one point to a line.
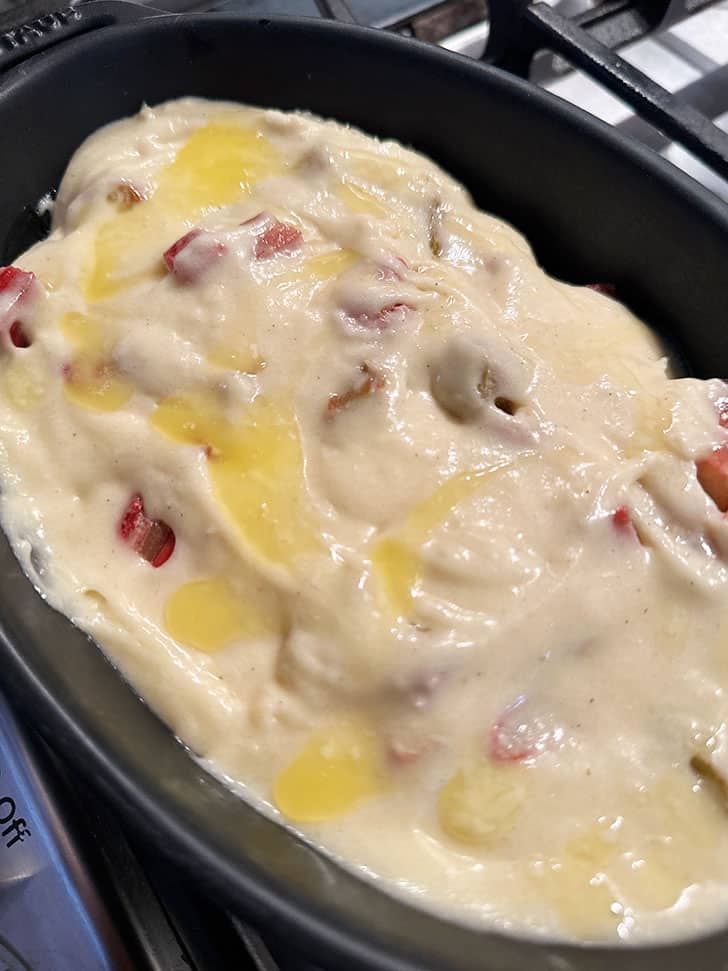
422	547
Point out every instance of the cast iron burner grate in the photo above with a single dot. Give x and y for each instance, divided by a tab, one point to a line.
542	42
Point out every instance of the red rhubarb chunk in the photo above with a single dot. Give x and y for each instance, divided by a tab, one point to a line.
393	269
192	255
170	255
15	281
15	288
507	746
608	289
133	518
623	524
392	314
259	221
521	732
402	753
713	476
277	237
18	335
393	310
152	539
158	544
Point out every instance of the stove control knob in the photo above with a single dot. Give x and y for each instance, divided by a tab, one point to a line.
22	847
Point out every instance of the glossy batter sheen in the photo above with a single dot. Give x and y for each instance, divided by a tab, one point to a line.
415	544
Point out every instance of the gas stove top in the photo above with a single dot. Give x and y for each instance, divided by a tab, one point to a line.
78	891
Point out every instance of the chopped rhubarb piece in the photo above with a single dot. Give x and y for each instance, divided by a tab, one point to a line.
371	382
272	236
722	406
623	524
392	269
621	517
18	335
100	370
16	287
158	544
608	289
192	255
259	221
383	318
125	195
402	753
152	539
393	310
170	255
505	743
519	733
713	476
14	280
277	237
133	518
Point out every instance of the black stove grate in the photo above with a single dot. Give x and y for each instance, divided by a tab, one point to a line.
168	924
519	30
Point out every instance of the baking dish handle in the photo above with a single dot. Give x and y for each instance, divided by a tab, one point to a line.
17	43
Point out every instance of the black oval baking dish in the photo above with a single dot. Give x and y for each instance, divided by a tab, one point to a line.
594	205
